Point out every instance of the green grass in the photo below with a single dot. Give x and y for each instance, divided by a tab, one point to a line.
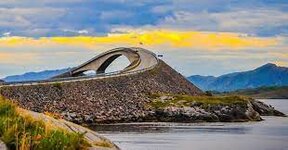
20	132
57	85
263	92
202	101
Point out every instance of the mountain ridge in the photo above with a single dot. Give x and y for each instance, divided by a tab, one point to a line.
34	76
265	75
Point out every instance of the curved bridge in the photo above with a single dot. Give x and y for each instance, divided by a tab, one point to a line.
139	59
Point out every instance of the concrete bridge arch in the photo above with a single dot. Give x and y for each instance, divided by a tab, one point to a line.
138	58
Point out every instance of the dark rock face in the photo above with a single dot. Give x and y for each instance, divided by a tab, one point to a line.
222	113
265	110
181	114
116	99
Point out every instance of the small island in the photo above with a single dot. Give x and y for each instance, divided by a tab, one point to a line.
185	108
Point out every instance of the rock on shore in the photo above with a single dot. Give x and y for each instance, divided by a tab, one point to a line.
171	109
167	108
265	110
97	141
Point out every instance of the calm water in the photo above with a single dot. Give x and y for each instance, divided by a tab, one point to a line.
271	134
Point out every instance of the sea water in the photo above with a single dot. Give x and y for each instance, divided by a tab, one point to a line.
270	134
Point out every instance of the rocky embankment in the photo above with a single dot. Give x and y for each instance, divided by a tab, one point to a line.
208	109
128	99
115	99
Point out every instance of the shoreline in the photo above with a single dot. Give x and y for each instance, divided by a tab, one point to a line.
163	136
168	109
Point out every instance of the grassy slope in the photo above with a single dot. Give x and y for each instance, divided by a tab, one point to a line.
204	101
264	92
22	132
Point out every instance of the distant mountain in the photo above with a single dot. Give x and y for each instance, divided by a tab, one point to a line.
266	75
35	75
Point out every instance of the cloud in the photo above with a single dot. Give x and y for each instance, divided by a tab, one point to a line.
190	52
115	15
51	17
232	35
204	62
29	21
26	56
33	3
79	32
245	21
176	39
22	58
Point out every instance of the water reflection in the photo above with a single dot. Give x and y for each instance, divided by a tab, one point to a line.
141	128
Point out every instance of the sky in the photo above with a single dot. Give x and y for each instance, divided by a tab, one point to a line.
207	37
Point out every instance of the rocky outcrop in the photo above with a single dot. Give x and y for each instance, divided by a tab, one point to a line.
181	114
115	99
265	110
197	112
96	141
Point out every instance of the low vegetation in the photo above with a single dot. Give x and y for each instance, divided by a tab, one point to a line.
263	92
162	101
22	132
57	85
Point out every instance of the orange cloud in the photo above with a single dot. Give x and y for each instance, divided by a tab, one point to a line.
174	39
